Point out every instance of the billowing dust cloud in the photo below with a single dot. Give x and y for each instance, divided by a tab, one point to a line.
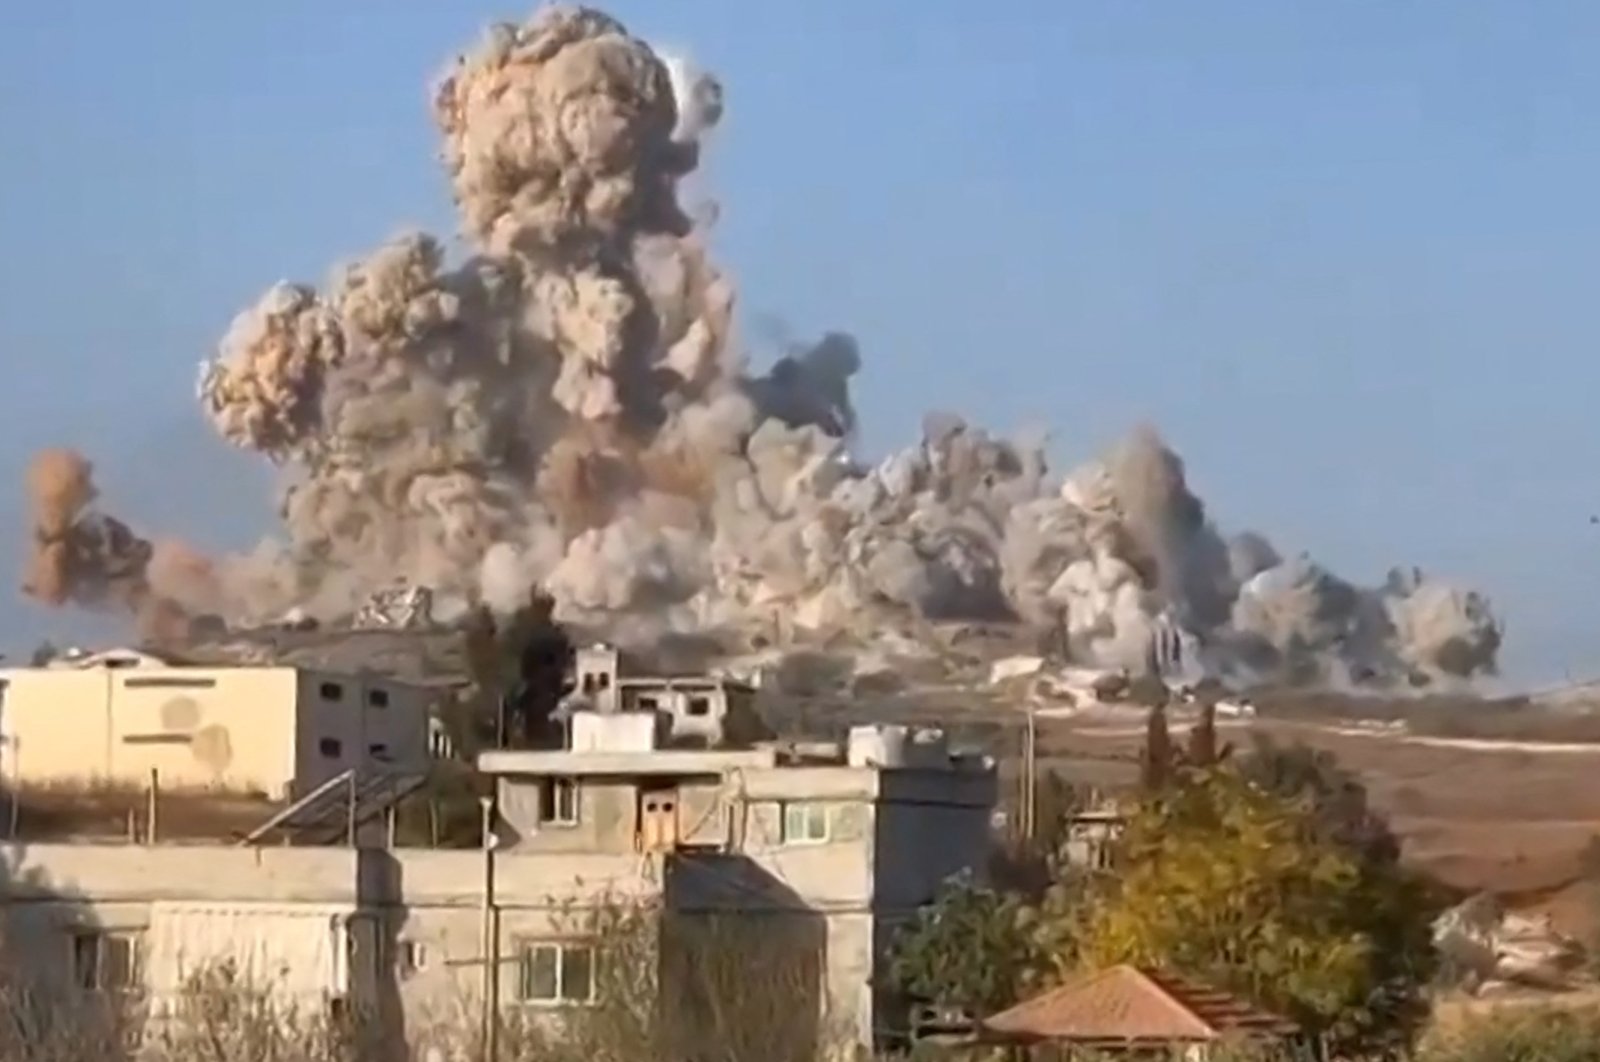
569	406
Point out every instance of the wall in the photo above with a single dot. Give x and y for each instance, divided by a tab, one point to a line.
345	721
226	727
607	816
928	826
54	725
287	907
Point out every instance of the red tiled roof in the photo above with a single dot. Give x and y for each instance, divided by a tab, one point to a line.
1125	1003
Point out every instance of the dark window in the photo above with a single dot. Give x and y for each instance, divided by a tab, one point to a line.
378	751
648	704
699	706
551	973
413	957
331	748
104	962
558	802
331	691
378	698
590	683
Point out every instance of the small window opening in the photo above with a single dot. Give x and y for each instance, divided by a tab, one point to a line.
558	802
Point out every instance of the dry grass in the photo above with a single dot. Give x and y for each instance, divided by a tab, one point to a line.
1437	715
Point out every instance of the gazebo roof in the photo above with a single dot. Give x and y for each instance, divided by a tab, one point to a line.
1128	1004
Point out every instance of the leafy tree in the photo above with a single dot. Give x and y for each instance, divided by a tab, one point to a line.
1227	881
1338	802
1400	918
971	948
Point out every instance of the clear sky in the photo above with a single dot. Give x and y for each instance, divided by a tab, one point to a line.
1344	255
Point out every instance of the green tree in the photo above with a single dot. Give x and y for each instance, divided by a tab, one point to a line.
1229	882
972	948
1336	800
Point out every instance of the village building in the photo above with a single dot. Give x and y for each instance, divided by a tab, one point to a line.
823	849
279	731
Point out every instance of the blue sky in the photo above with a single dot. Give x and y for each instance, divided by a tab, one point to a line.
1344	255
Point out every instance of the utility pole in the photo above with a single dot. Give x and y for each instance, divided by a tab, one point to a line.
491	941
1030	775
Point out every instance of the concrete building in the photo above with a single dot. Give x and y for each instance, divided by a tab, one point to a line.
116	716
823	850
696	709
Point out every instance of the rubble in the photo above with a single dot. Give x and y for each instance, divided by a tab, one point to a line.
401	608
1486	947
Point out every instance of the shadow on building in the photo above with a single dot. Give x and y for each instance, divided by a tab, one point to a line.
69	981
742	965
379	1008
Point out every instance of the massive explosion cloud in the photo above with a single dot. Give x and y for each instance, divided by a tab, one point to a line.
568	406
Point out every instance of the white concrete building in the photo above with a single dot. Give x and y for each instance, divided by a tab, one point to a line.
274	730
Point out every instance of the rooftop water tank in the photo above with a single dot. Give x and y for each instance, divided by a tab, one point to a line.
876	746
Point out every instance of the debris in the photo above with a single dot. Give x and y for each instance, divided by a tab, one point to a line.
1482	943
402	608
1013	667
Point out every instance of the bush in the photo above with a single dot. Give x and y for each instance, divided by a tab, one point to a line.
1531	1035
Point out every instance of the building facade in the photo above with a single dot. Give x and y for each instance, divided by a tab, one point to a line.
117	716
826	851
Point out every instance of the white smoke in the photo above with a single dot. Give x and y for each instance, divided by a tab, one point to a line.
568	406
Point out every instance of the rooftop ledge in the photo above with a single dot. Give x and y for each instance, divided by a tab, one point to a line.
653	762
689	762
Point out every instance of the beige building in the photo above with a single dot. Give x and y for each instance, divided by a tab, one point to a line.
825	848
274	730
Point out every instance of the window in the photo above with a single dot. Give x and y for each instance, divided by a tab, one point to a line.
331	691
805	822
649	704
378	751
552	974
699	706
378	698
104	962
332	748
558	802
413	957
